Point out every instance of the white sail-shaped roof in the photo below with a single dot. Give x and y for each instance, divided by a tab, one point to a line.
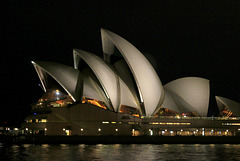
115	89
225	102
69	78
190	94
176	103
149	85
126	96
125	74
92	89
169	102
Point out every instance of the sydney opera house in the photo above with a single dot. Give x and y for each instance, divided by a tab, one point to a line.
121	94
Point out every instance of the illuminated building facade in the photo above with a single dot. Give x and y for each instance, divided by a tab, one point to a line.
105	96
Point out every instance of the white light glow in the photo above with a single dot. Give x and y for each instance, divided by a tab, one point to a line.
57	92
151	132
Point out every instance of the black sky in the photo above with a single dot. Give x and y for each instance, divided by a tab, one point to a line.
180	38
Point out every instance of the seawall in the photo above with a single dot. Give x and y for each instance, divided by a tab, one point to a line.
34	139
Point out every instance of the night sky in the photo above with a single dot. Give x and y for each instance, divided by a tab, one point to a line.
180	39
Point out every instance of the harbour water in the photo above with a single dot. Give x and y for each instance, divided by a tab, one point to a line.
65	152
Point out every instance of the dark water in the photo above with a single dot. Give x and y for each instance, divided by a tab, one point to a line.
120	152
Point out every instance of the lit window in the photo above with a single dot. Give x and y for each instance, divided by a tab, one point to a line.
170	123
231	124
44	120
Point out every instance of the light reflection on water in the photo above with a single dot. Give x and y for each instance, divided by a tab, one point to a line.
120	152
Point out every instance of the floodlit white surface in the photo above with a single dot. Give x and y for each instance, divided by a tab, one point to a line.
169	103
232	105
115	89
69	78
126	97
176	103
149	85
92	89
190	94
125	74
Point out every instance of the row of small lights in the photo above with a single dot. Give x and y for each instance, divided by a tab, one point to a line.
151	131
115	129
44	129
82	129
113	122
